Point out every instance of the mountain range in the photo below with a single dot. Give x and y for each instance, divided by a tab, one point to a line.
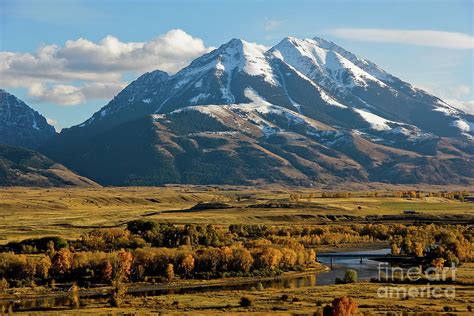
22	129
302	112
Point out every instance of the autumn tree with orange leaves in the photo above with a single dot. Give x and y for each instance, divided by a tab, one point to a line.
62	261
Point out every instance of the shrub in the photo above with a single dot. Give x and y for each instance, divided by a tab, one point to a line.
118	293
107	272
350	276
245	302
187	264
344	306
328	311
141	226
62	261
4	284
449	309
74	295
170	273
124	265
35	245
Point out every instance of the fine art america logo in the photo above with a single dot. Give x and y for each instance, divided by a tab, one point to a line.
388	274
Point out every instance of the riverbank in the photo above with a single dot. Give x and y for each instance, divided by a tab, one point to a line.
222	296
39	297
288	301
40	293
196	284
184	285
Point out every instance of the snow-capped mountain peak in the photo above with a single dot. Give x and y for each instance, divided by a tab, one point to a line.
235	55
364	64
318	60
313	77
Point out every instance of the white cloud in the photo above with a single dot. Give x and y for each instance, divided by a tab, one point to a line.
460	91
457	96
81	69
73	95
431	38
466	106
169	52
270	25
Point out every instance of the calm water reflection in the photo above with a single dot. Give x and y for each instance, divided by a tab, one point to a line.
366	270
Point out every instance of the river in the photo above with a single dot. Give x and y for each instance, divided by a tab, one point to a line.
366	270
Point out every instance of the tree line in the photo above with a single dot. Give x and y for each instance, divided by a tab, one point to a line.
148	250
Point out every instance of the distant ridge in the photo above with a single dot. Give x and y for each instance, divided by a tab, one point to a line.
25	167
20	125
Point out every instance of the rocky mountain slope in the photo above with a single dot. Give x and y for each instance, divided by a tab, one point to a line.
303	111
25	167
20	125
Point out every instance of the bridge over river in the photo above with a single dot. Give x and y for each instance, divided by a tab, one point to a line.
382	257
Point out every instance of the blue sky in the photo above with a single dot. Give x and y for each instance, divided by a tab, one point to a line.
427	43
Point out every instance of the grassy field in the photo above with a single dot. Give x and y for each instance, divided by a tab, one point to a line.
28	212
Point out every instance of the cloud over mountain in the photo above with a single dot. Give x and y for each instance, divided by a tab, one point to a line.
82	69
430	38
73	95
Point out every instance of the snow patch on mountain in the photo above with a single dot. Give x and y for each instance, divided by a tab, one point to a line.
201	96
463	125
244	57
256	63
445	108
259	113
300	54
376	122
314	61
362	63
34	124
264	112
253	95
411	133
338	66
216	111
328	99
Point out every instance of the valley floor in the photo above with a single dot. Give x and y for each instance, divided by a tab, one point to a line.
37	212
